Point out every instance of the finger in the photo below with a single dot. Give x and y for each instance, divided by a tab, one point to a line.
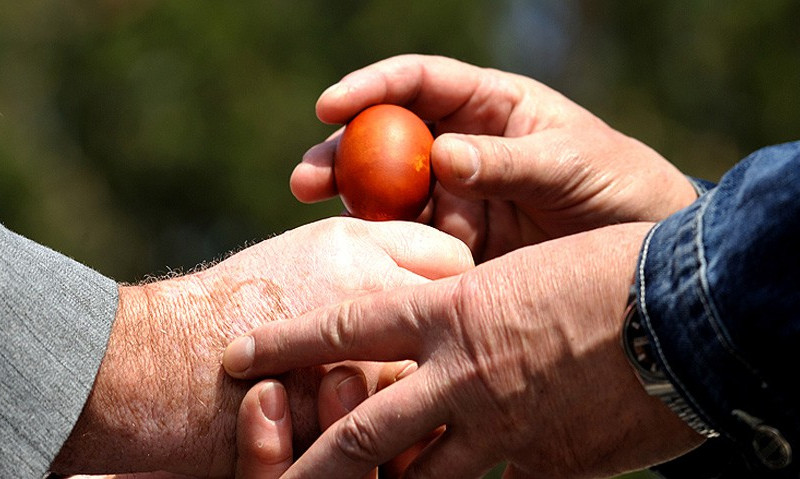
432	86
421	249
380	428
468	98
340	391
491	167
264	432
513	472
384	326
312	179
390	373
458	96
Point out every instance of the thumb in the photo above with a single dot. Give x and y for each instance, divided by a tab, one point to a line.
264	432
493	167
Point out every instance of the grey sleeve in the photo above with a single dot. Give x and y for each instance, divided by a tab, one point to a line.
56	317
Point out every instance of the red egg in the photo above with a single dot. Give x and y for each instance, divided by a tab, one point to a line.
382	165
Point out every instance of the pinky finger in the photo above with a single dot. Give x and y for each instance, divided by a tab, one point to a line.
264	432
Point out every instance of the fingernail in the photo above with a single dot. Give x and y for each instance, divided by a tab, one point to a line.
238	356
464	159
412	366
352	391
272	399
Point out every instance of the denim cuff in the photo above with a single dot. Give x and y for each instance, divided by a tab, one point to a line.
690	340
675	313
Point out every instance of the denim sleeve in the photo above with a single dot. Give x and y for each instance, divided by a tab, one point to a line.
55	320
719	291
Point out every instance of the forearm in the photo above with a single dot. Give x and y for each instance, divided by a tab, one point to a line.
138	415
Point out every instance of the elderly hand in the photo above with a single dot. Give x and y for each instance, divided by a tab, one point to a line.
517	163
519	358
161	400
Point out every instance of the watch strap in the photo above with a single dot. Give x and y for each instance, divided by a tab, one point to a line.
649	372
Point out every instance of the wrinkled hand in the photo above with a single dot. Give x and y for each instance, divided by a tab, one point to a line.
517	163
519	358
161	400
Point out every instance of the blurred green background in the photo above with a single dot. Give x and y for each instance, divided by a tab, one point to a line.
144	136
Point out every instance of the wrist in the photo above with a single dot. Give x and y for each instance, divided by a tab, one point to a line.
647	431
110	434
149	406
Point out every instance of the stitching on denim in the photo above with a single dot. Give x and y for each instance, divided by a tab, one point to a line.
699	188
656	342
712	314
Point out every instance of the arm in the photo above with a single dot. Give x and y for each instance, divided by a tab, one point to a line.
161	401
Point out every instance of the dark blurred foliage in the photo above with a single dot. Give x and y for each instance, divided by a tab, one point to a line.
142	136
705	82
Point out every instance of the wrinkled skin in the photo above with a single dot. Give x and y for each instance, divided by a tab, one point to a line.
520	358
161	400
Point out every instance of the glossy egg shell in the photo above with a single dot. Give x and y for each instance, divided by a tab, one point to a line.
382	164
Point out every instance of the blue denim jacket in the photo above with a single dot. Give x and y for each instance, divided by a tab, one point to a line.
719	286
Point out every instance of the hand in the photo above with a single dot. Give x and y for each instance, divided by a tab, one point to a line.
519	358
517	163
161	400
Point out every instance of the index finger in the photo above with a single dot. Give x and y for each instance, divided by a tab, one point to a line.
463	98
431	86
385	326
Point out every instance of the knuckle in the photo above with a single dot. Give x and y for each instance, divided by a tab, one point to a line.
507	154
357	440
341	230
338	330
501	159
